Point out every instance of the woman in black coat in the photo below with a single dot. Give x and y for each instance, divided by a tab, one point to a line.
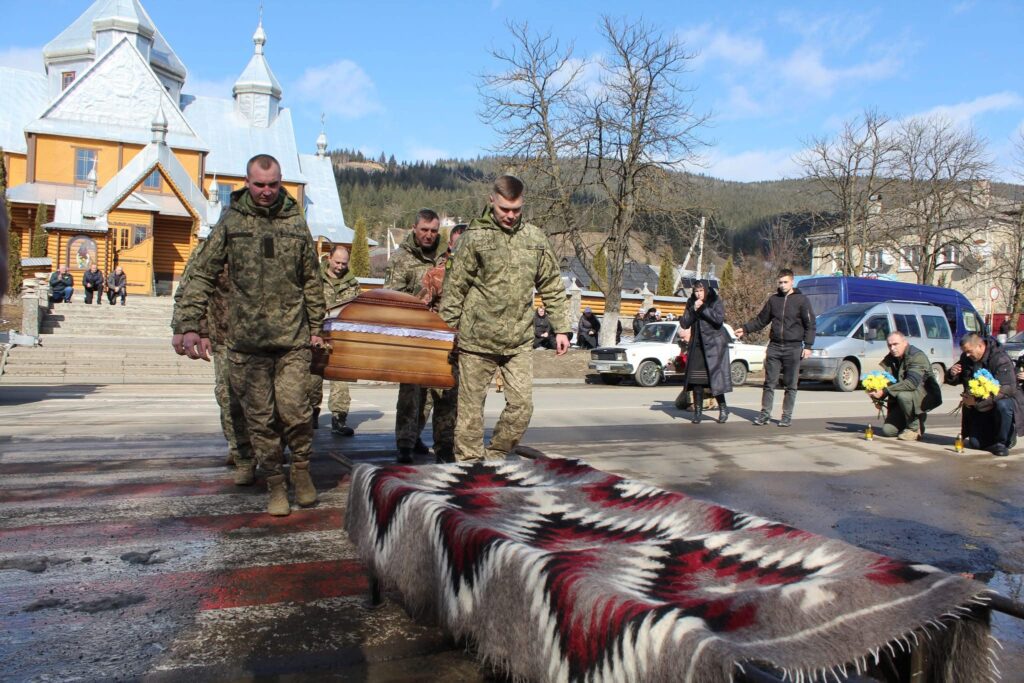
707	360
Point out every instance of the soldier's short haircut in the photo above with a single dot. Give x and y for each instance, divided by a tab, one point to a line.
971	339
339	247
264	161
426	216
897	335
458	230
785	272
509	187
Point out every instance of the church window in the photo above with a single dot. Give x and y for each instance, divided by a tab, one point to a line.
66	79
152	181
85	159
224	194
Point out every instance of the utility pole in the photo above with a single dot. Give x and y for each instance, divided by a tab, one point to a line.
700	248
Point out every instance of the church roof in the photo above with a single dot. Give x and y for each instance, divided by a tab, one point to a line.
234	141
128	15
114	99
322	203
24	96
257	76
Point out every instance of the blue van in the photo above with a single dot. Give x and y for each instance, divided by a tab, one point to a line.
828	292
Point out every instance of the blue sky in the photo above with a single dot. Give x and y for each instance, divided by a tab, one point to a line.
401	77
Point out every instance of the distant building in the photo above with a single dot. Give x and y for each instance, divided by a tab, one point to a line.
133	170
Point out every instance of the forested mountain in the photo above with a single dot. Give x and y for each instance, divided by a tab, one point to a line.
387	194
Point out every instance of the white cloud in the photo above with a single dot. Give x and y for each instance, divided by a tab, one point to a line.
755	164
25	58
426	153
964	112
965	6
202	87
805	68
341	88
722	45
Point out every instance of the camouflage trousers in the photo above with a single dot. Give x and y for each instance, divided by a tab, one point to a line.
275	380
338	401
476	370
416	405
232	419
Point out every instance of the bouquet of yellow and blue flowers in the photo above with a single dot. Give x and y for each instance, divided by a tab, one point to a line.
876	380
983	385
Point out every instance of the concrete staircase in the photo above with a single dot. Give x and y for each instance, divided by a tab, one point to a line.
105	344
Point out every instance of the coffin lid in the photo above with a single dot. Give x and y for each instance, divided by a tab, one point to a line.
388	307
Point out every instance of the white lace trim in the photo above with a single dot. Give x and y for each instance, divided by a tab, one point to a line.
389	330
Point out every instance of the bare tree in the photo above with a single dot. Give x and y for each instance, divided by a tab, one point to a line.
615	143
783	249
852	169
1009	229
941	171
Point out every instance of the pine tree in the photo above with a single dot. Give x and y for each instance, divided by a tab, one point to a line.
359	260
38	244
666	276
600	269
14	240
725	282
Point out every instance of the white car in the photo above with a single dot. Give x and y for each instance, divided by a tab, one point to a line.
651	358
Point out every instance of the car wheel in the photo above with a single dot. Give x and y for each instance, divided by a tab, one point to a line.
738	370
940	373
611	379
847	376
648	374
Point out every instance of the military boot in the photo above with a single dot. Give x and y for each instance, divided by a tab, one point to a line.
245	472
338	425
315	420
278	504
305	492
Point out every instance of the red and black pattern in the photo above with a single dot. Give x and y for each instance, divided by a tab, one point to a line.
563	572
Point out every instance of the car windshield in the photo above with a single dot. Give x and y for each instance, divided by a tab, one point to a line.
1017	338
838	322
656	333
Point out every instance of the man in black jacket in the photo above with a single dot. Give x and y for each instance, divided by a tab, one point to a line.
792	333
92	282
992	423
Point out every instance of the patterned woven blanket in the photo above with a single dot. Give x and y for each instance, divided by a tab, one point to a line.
560	572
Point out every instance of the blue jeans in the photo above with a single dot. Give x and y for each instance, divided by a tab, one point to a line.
64	296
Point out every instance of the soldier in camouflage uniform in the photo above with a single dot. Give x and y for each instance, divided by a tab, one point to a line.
417	254
213	327
443	401
340	287
275	309
488	298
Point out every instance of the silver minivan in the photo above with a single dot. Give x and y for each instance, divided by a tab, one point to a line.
850	340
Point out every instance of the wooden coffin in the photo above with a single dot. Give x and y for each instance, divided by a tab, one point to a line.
389	336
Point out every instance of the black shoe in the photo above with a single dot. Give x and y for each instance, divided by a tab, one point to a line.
444	456
723	414
339	427
761	419
786	421
316	418
405	456
695	419
1000	450
420	448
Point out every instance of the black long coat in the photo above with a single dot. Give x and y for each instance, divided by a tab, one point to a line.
709	319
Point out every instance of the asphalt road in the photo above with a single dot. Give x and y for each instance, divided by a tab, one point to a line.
125	551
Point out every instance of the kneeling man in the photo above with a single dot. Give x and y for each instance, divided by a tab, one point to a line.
914	392
993	423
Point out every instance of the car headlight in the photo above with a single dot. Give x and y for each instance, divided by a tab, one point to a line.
819	353
621	355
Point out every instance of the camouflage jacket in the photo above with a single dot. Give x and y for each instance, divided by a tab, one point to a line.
488	293
276	299
410	262
338	290
215	323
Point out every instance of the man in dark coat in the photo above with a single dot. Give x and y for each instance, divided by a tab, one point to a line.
992	423
914	392
543	332
62	286
590	329
92	282
638	323
707	362
792	333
